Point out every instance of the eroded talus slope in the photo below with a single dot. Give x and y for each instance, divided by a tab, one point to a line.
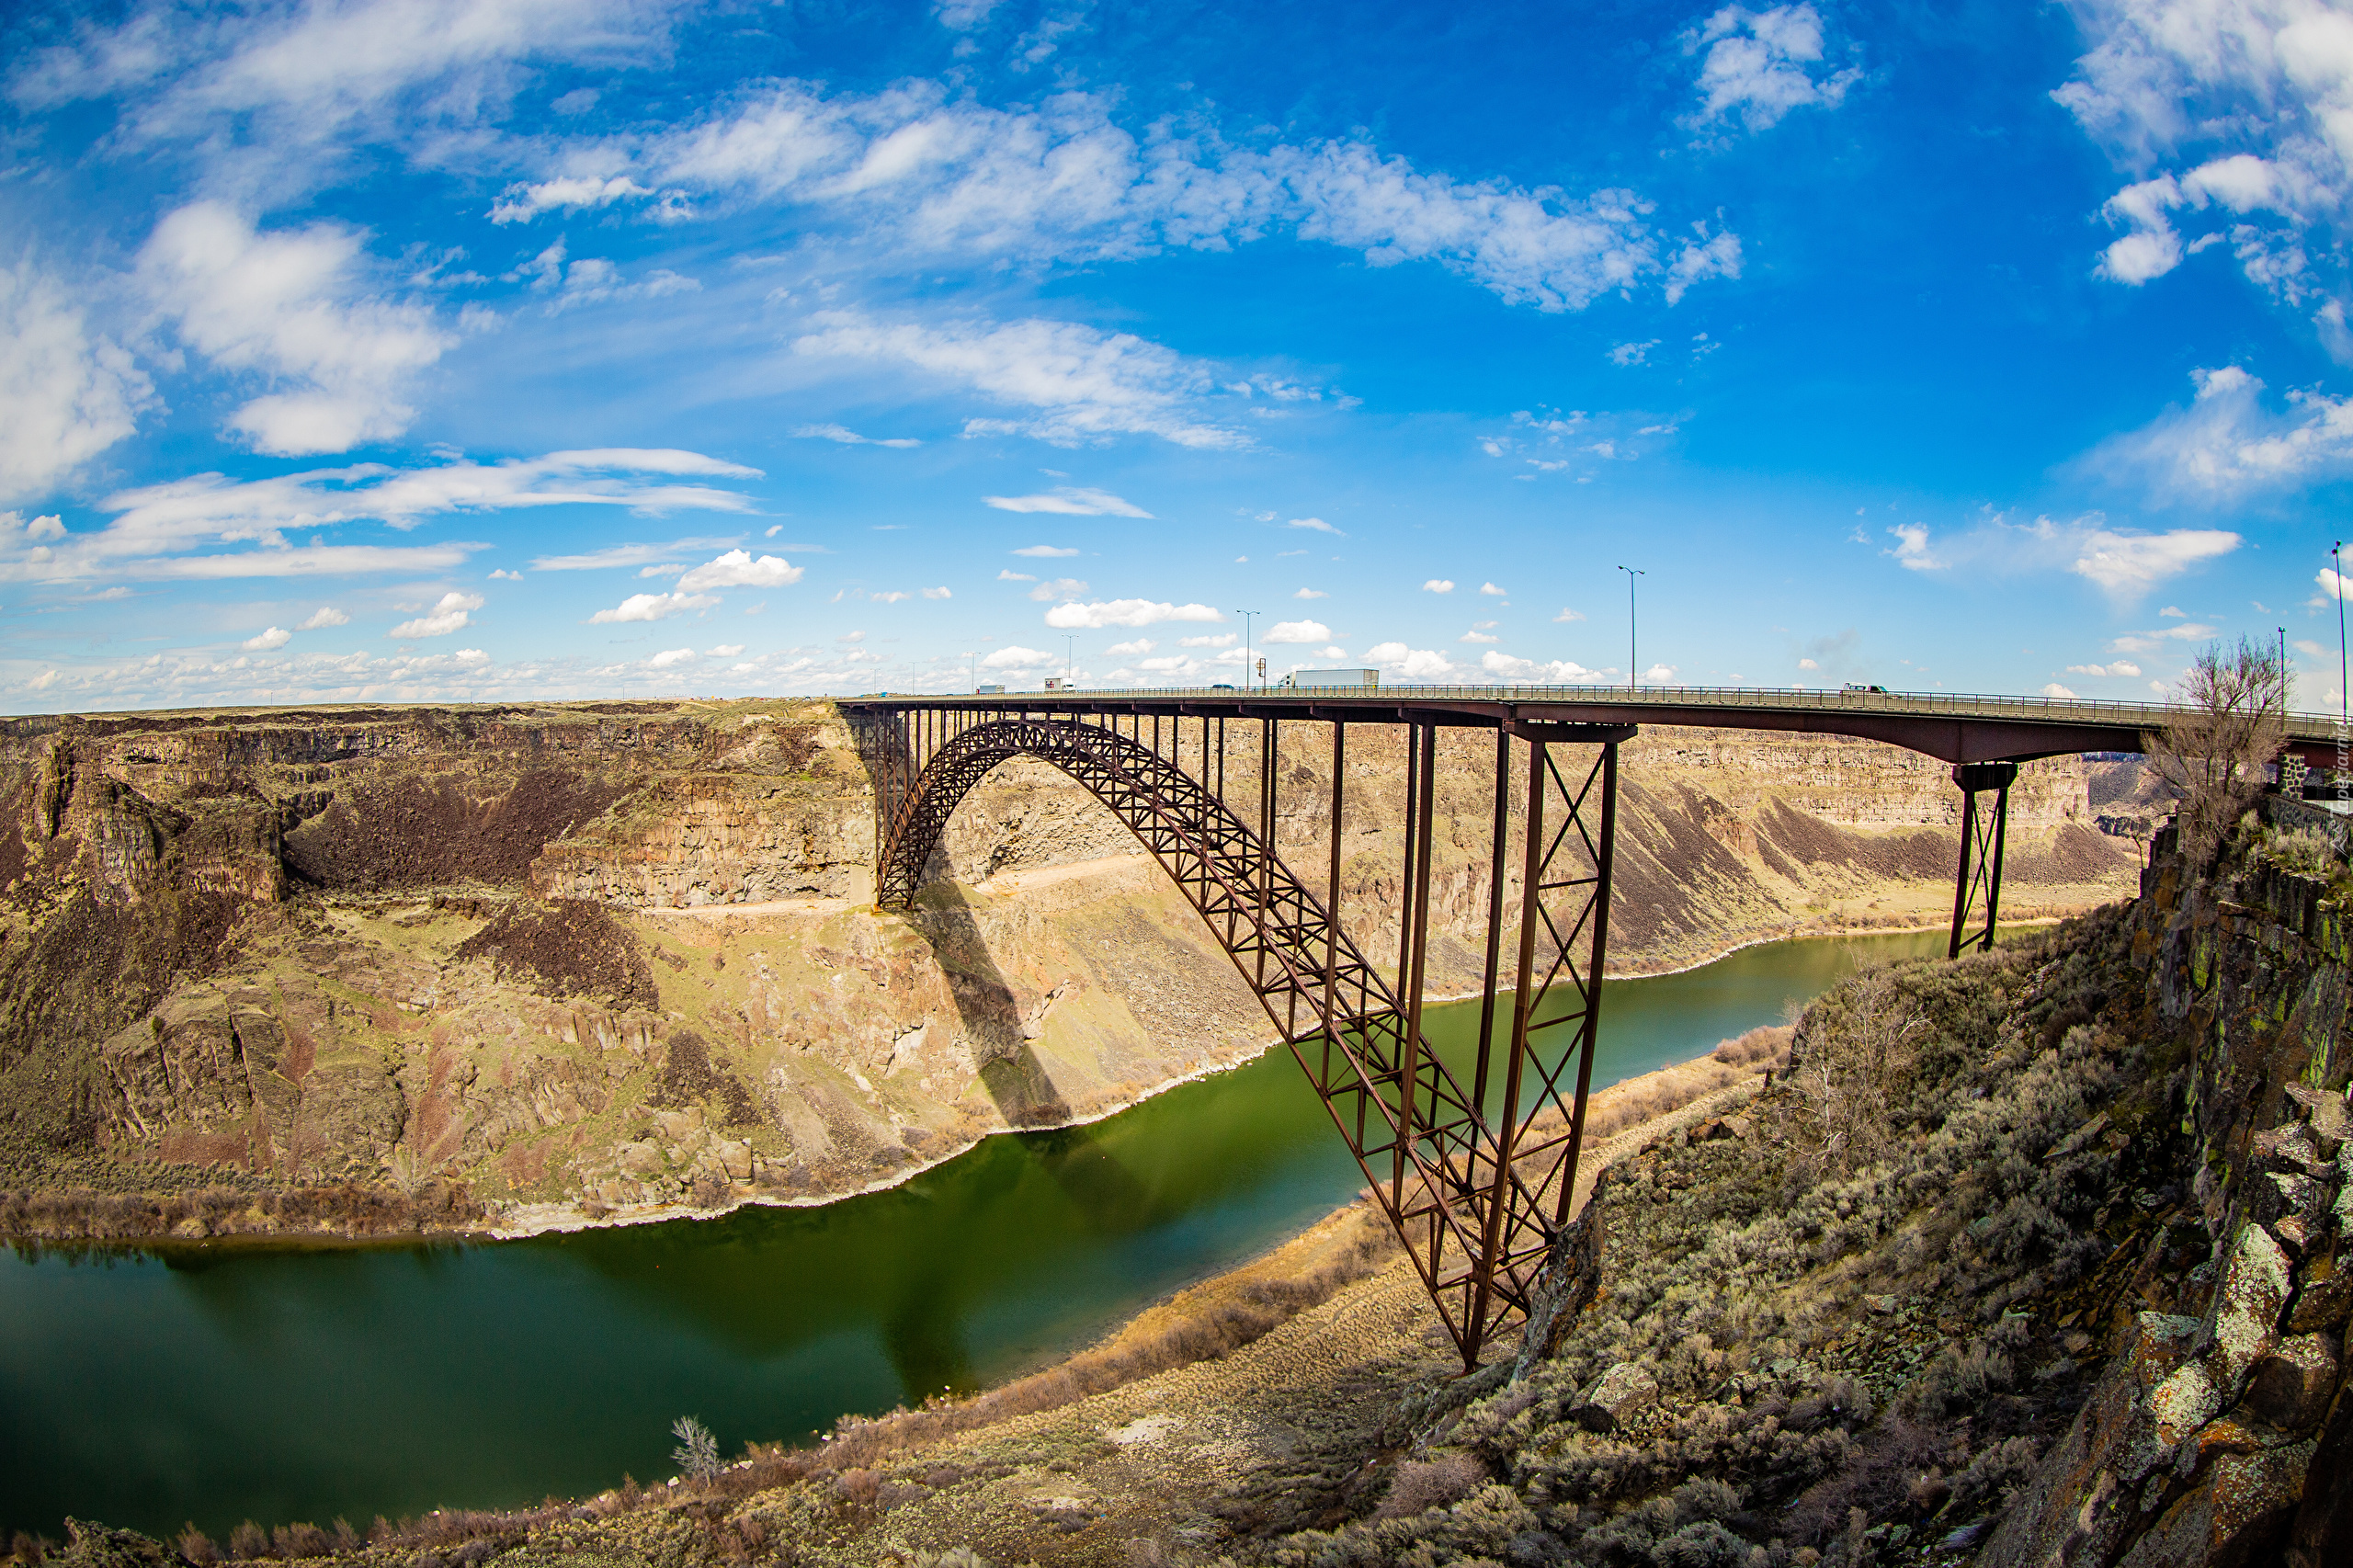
527	964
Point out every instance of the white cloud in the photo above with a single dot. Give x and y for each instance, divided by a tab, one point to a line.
2154	641
1808	664
451	614
849	437
736	568
275	637
616	555
1130	650
937	593
2330	583
1413	664
2124	565
2121	668
157	525
891	597
1218	640
294	307
1125	612
726	650
1568	615
1058	588
2056	691
1005	576
66	396
672	656
1492	591
1762	64
1019	658
1555	672
1083	386
920	169
1297	632
2226	444
1317	524
652	606
1438	585
523	202
1070	501
1632	353
294	80
323	617
1045	552
2244	110
1311	593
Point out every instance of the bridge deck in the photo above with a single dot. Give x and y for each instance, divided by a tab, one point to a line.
1954	727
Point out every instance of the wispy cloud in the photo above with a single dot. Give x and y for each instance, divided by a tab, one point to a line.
1068	501
2226	445
1075	385
177	528
2123	566
298	307
849	437
66	392
916	171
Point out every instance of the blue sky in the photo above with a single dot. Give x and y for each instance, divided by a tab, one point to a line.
411	350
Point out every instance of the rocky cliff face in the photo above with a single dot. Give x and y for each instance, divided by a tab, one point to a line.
2222	1431
602	959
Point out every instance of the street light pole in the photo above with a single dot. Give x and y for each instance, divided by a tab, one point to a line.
2344	743
1633	662
1247	615
1070	660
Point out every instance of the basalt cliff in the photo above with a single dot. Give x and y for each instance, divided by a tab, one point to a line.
373	970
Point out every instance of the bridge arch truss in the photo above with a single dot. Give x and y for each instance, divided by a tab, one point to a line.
1473	1161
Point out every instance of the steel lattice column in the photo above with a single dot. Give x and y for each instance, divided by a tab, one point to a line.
1476	1193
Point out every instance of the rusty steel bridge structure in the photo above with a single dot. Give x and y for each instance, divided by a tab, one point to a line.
1475	1168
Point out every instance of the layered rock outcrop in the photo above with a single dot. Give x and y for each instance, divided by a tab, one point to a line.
2222	1431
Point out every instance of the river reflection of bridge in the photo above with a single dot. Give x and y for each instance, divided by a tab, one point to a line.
1473	1162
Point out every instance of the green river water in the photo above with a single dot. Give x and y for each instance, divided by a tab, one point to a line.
152	1386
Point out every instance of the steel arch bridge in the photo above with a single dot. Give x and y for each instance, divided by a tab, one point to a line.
1476	1178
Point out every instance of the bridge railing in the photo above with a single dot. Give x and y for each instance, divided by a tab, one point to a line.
1958	704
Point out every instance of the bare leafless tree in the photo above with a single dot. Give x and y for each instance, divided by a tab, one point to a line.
2213	756
1850	1054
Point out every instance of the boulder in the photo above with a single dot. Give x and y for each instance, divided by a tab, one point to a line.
1622	1393
2291	1387
2247	1305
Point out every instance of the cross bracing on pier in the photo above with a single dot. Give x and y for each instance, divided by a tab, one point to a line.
1476	1178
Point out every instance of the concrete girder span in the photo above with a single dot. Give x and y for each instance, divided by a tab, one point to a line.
1477	1177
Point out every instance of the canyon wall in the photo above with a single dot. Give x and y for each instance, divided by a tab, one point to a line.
591	960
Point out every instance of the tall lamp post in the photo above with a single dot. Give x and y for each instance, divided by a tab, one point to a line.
1633	663
1247	615
2344	743
1070	660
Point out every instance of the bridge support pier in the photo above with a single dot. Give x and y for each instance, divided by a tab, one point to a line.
1981	850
